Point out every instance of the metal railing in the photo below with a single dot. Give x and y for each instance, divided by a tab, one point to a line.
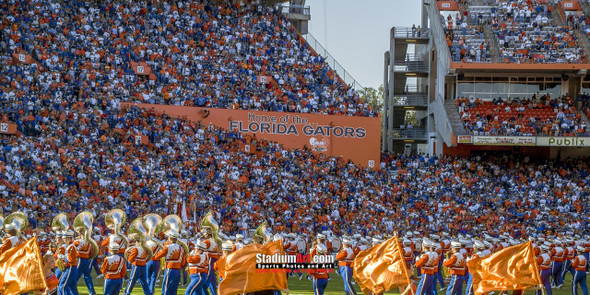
411	66
410	100
412	89
295	9
339	69
410	57
409	133
412	33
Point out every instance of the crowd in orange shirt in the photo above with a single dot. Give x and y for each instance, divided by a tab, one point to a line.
200	54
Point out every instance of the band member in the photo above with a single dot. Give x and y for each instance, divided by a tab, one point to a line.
346	258
558	257
60	253
84	262
239	241
428	263
175	259
456	265
67	281
320	276
544	263
213	252
114	269
579	264
137	257
13	238
48	271
481	252
198	266
153	266
408	254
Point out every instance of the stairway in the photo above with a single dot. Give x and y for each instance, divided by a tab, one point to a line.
494	47
455	118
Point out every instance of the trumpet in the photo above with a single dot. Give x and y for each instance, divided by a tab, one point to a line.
139	233
114	220
174	222
83	225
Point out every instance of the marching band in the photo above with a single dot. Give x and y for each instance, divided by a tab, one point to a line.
72	252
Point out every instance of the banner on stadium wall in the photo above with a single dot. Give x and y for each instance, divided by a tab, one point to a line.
447	5
504	140
8	128
464	139
141	68
353	138
22	58
571	5
564	141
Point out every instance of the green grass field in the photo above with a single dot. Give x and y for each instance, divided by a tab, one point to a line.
304	287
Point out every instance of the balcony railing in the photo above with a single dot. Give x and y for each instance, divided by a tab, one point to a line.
409	133
412	33
295	9
410	100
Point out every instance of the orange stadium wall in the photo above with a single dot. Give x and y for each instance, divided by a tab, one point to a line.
354	138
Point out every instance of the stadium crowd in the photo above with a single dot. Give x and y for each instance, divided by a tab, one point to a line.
201	54
525	33
539	115
84	156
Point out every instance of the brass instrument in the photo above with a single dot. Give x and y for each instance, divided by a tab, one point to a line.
209	222
139	233
18	219
83	225
172	221
260	235
154	225
59	224
114	220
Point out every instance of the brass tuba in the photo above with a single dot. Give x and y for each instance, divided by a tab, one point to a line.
83	225
154	225
114	220
209	222
138	232
18	219
60	222
172	221
260	235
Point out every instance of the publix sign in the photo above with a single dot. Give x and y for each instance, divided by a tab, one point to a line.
564	141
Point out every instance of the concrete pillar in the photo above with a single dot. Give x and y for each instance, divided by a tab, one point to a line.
385	112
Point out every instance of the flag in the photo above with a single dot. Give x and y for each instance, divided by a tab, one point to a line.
513	268
21	269
183	213
241	275
381	268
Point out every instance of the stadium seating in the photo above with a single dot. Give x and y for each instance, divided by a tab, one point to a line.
246	56
522	117
525	33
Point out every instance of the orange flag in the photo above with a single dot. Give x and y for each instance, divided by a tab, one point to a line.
513	268
241	275
21	269
381	268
